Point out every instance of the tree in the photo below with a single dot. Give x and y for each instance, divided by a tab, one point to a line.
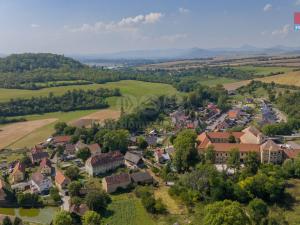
142	143
6	221
83	154
289	167
252	162
59	127
91	218
186	154
72	172
231	139
54	194
97	200
74	188
63	218
210	154
233	160
116	140
226	212
60	150
258	210
17	221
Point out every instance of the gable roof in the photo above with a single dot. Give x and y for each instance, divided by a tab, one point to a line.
226	147
105	158
45	162
253	130
270	146
117	179
141	176
38	178
133	157
60	178
61	139
94	148
19	167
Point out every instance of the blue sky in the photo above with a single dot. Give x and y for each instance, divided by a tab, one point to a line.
101	26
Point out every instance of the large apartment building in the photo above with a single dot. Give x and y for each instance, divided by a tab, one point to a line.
249	140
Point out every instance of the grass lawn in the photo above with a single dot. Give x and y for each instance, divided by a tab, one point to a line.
127	209
259	70
293	215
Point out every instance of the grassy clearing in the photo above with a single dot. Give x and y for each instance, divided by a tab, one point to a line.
216	81
259	70
127	209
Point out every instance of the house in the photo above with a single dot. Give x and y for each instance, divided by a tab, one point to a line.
61	181
70	150
37	154
40	183
249	140
141	178
94	148
78	210
133	159
60	140
271	152
18	173
252	135
234	114
161	156
111	183
102	163
45	166
151	140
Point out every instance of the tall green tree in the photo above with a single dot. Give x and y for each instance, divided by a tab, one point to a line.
63	218
233	160
258	211
186	154
91	218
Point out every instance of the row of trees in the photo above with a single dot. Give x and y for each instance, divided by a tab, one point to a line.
71	100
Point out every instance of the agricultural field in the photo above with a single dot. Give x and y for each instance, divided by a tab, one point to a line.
127	209
134	93
262	70
291	78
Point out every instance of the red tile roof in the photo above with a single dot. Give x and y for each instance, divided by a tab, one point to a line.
234	114
45	162
291	153
60	177
61	139
225	147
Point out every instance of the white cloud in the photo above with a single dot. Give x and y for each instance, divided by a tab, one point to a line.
283	32
125	24
297	2
183	10
268	7
34	25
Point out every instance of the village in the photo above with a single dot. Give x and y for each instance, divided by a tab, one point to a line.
47	172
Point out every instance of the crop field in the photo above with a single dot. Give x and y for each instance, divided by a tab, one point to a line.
127	209
134	93
262	70
13	132
291	78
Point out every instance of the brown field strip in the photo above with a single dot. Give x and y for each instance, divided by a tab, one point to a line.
99	117
13	132
291	78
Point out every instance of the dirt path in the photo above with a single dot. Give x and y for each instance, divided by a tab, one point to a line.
13	132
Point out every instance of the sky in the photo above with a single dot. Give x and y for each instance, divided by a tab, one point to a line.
105	26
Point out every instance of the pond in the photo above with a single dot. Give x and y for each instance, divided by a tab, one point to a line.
42	216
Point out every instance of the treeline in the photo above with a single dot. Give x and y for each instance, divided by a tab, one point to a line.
4	120
71	100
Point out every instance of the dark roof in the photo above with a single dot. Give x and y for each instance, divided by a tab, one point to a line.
39	155
151	140
105	158
70	149
117	179
141	177
133	157
19	167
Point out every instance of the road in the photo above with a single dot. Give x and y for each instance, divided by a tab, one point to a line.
216	122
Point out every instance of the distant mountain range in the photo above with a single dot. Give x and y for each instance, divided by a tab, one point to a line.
190	53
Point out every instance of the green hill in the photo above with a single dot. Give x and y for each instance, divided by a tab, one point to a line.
31	61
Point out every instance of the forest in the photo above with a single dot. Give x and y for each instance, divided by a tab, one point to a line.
71	100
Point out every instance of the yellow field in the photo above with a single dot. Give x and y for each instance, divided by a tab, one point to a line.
291	78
